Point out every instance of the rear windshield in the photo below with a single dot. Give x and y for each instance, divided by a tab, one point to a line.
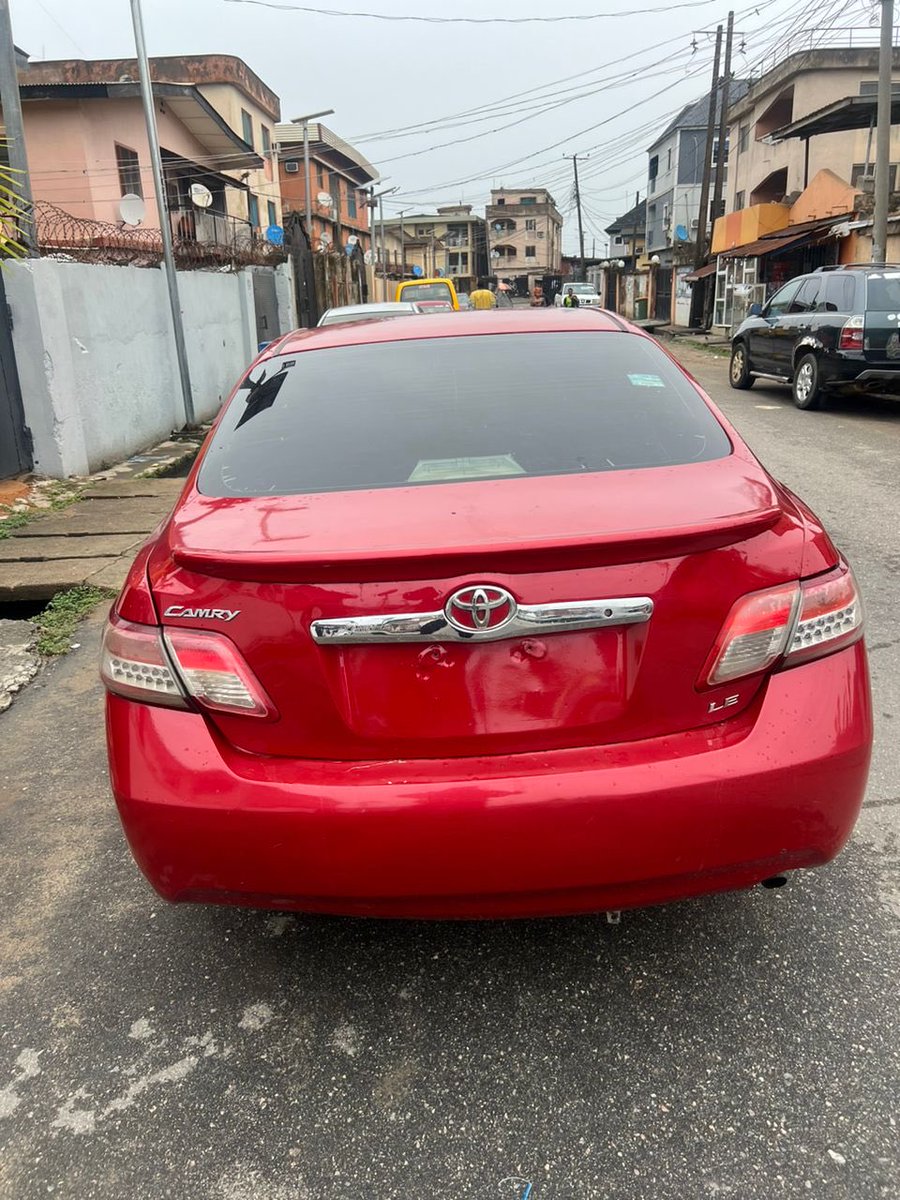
883	292
425	291
439	410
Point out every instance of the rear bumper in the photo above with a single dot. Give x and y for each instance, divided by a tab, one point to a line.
562	832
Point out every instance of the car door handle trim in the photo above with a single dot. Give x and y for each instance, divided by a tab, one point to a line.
525	620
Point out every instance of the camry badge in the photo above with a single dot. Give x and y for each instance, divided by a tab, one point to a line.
200	614
480	607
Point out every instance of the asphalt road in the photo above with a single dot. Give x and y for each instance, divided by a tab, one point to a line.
742	1046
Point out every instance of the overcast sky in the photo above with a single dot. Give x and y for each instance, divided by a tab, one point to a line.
614	82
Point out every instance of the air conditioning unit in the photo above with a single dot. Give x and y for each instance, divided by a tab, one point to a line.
541	233
291	168
695	223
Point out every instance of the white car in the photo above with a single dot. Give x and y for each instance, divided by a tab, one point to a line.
587	296
369	312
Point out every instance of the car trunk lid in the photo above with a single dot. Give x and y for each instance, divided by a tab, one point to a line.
283	563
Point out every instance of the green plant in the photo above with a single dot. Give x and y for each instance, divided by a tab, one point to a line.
56	625
15	520
13	210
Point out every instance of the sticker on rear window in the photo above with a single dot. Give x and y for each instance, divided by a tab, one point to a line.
645	381
432	470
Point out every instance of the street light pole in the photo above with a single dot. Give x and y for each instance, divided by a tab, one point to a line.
165	228
883	135
379	196
307	185
15	134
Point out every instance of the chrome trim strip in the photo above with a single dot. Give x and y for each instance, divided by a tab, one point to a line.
528	621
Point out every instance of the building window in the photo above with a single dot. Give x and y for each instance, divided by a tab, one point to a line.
531	251
859	171
129	171
869	87
266	139
530	224
253	210
320	175
247	126
653	172
669	159
273	212
528	200
739	201
501	202
351	202
715	154
743	139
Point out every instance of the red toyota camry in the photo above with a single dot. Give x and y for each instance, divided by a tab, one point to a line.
467	619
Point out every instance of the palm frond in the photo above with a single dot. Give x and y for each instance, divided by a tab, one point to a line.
14	212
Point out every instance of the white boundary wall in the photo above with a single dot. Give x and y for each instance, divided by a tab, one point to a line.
96	354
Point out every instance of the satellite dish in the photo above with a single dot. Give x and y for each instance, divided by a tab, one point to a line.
275	235
368	258
352	239
681	233
440	272
201	195
324	242
324	200
417	271
132	209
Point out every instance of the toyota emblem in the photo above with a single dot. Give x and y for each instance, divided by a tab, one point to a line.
480	607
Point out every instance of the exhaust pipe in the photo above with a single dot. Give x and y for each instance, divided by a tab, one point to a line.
774	881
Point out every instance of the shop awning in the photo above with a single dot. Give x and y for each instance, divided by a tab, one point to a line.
701	273
793	236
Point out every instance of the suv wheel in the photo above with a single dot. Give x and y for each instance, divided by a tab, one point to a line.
806	387
739	369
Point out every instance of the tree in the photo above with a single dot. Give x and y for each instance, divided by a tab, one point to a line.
13	211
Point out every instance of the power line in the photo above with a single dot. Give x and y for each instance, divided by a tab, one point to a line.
424	20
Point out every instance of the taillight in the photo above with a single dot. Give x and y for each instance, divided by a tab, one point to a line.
134	664
831	616
852	334
215	674
785	625
754	636
141	663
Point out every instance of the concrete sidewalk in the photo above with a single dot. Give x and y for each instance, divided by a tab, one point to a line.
92	541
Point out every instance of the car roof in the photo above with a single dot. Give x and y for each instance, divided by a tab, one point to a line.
378	306
466	324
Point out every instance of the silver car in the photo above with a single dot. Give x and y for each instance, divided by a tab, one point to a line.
368	312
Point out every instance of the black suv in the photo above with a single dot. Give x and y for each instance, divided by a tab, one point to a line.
837	329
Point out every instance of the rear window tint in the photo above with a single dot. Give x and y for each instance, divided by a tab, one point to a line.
883	292
426	291
438	410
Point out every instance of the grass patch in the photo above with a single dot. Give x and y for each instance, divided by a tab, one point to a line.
56	625
9	525
60	495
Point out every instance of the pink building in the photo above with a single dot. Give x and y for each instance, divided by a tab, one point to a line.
87	144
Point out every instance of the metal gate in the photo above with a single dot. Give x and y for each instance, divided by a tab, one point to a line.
15	437
662	304
265	304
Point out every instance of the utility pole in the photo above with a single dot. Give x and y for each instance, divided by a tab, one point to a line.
700	248
402	246
574	158
165	228
719	187
883	135
15	134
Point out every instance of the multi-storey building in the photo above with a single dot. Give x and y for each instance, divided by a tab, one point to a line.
525	235
215	119
451	243
340	179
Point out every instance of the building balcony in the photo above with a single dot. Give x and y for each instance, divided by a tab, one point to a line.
192	224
